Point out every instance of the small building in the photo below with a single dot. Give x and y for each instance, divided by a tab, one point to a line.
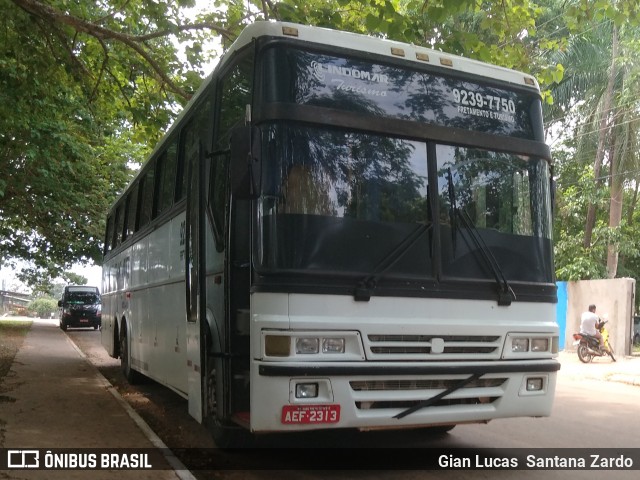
13	302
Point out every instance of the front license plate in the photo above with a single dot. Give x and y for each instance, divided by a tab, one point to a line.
304	414
84	320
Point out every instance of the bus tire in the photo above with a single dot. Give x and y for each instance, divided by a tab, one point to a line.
225	435
131	375
439	430
231	436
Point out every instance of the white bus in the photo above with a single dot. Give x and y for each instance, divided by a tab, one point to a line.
341	231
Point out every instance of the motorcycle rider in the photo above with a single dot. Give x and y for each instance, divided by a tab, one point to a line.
589	323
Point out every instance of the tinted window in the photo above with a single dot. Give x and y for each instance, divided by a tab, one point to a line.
235	91
146	197
341	201
132	210
109	234
305	78
168	181
119	226
83	298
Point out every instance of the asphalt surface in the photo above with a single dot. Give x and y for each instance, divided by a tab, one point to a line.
54	398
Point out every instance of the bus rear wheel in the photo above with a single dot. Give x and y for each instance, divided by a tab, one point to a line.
132	376
440	429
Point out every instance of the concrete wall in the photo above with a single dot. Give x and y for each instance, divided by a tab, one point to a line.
614	300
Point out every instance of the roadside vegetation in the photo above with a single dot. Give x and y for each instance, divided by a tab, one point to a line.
89	87
12	333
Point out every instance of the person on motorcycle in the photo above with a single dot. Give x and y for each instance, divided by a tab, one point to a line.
589	323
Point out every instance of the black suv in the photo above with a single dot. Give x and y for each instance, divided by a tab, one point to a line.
80	306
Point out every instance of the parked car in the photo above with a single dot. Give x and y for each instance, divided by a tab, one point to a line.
80	306
636	330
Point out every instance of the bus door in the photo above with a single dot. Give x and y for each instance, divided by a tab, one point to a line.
194	272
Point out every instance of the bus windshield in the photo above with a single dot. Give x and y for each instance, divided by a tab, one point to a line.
341	202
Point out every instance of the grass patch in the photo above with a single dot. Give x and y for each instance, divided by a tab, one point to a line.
12	333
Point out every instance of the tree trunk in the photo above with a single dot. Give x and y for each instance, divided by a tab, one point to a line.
602	136
615	209
633	203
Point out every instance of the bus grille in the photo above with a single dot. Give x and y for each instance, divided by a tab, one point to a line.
433	347
404	394
378	385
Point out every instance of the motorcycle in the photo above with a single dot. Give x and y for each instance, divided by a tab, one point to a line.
589	346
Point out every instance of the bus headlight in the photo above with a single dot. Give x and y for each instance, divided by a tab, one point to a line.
539	344
534	384
519	345
284	345
306	390
333	345
277	346
307	345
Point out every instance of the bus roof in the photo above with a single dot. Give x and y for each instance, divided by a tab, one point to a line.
379	46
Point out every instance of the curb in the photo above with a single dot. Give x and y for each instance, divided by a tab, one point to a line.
180	469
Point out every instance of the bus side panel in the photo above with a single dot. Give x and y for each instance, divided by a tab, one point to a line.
175	320
170	339
138	305
169	309
108	314
157	277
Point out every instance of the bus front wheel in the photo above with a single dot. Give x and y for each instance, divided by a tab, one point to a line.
225	435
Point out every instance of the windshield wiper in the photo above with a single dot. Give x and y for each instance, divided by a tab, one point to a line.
365	287
505	292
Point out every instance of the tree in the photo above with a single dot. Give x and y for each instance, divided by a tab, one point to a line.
43	307
85	91
87	88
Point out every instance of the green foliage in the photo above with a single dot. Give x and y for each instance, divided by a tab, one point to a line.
43	307
85	91
87	88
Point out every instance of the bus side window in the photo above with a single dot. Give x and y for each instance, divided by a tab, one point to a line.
125	215
132	211
146	197
109	235
167	178
181	173
159	173
117	233
235	92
